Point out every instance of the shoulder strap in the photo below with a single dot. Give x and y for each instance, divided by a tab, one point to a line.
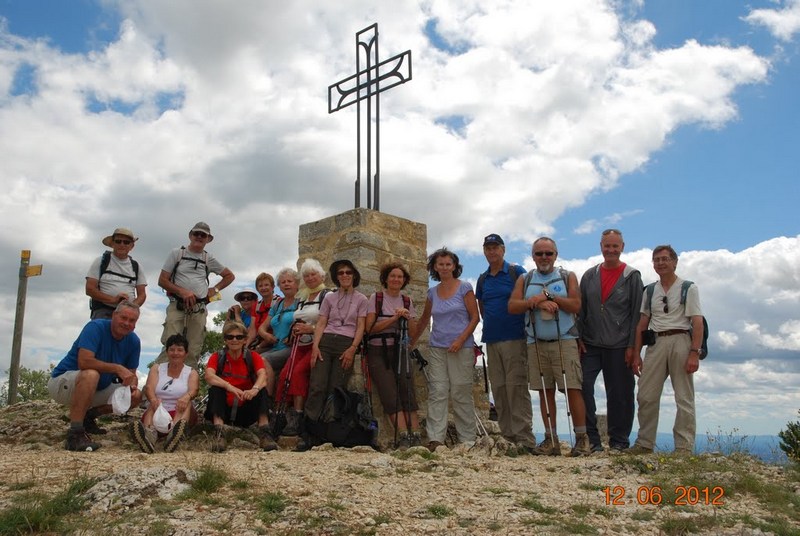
204	260
221	361
685	290
104	261
248	359
379	305
528	279
406	301
651	288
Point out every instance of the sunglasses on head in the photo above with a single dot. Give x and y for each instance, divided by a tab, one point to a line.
199	234
544	253
232	337
125	241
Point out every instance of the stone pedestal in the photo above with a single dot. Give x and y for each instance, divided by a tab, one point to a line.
369	239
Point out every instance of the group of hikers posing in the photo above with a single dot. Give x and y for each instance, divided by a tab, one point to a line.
543	331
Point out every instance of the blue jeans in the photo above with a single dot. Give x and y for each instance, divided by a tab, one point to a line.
620	383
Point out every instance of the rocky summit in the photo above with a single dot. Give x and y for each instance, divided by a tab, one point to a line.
488	489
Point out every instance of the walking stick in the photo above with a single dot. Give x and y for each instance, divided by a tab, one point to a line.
564	378
532	323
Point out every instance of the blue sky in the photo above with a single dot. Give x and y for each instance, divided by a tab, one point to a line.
675	121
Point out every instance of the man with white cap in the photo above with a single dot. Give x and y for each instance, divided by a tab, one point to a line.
184	277
115	276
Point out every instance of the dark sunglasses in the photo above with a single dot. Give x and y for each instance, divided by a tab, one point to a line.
544	253
164	387
664	301
123	241
200	234
344	272
246	298
237	337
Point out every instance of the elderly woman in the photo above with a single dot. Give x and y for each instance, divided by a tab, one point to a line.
245	309
265	285
295	386
393	377
339	331
277	328
455	315
171	385
237	394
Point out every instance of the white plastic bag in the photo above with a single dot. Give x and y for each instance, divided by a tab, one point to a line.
121	400
162	420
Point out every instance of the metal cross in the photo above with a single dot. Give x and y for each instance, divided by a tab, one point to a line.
366	85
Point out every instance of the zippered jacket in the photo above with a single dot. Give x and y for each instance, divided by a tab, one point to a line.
611	324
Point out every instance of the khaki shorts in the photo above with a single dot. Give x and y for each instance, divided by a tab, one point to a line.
61	388
551	365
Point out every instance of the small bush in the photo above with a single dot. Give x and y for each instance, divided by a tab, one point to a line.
790	440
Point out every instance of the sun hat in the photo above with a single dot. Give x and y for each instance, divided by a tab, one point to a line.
124	231
203	228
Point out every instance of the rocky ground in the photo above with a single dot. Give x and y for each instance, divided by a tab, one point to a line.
486	490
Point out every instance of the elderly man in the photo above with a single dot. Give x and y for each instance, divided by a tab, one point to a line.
106	351
671	310
550	298
184	277
114	276
611	295
504	335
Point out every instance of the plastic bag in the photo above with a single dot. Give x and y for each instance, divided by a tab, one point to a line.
121	400
162	420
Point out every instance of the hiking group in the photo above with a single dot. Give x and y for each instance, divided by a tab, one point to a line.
286	360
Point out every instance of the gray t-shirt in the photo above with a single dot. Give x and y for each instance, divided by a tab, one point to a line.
191	272
113	284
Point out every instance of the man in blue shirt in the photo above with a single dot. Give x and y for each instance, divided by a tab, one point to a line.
106	352
504	335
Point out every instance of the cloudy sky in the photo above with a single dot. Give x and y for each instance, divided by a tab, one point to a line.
673	120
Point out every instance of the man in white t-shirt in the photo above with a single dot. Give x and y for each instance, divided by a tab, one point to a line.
114	276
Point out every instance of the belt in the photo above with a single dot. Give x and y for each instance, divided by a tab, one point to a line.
672	332
547	340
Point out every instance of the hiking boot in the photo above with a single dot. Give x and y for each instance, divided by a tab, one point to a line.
637	450
90	424
416	439
219	444
597	448
404	441
265	440
140	437
175	436
79	440
433	445
582	447
292	423
547	447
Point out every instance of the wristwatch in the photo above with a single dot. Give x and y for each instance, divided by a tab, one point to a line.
547	295
698	350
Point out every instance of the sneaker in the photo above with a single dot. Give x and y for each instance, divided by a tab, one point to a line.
91	427
80	441
404	441
637	450
582	447
416	439
219	444
175	436
141	438
265	440
547	447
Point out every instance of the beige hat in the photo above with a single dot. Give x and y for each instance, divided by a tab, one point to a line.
203	228
109	240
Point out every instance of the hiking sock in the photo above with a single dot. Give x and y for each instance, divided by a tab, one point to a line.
76	426
580	429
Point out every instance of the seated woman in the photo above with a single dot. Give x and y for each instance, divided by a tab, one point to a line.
237	394
171	385
390	369
245	310
265	285
295	386
281	316
338	333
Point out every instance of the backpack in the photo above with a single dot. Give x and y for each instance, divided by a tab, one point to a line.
512	274
650	289
563	275
248	359
202	261
105	260
346	421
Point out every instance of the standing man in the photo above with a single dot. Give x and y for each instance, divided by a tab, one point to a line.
105	352
114	276
671	310
184	277
611	295
504	335
550	299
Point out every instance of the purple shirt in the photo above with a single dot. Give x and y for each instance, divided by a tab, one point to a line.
342	311
450	317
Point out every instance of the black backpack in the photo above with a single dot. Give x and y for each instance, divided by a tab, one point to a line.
248	359
105	260
684	291
346	421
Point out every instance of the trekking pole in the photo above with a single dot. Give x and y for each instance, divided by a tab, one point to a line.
283	403
564	378
541	376
405	339
403	325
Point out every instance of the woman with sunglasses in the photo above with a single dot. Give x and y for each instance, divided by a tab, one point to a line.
454	309
173	385
237	380
276	330
245	310
339	331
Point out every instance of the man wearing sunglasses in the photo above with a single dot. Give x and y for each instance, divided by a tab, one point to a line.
675	354
184	277
611	295
114	276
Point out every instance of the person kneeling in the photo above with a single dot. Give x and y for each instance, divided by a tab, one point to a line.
237	394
